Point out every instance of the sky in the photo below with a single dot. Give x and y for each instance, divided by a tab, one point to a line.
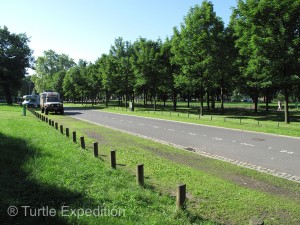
86	29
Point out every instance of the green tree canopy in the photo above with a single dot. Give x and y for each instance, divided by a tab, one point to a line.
15	57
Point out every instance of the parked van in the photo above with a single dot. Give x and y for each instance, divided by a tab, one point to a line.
31	100
50	102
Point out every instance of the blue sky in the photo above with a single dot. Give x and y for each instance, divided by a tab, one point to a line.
85	29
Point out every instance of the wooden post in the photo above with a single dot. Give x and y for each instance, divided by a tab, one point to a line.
74	136
113	160
67	132
95	149
46	119
50	122
82	143
140	174
61	129
256	221
56	126
181	196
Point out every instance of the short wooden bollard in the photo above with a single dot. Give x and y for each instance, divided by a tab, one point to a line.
113	161
140	174
61	129
56	126
67	132
95	144
256	221
52	123
46	119
74	136
82	143
181	196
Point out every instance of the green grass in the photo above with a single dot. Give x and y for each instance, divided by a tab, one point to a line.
238	116
55	171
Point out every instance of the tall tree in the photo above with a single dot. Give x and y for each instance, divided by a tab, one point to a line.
47	66
124	77
269	39
194	46
145	65
15	57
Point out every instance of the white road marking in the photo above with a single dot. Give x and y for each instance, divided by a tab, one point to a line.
192	134
204	135
290	153
283	151
269	147
233	141
155	127
170	130
182	131
246	144
218	139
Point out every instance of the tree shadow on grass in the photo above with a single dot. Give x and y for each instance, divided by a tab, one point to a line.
18	189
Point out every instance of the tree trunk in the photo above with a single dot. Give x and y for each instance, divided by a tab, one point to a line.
106	98
267	102
255	103
222	101
154	96
213	102
201	103
132	101
7	94
174	101
207	100
286	106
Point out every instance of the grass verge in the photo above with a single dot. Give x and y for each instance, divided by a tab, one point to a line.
217	191
52	181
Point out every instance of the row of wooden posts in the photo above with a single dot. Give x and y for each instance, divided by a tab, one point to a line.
181	189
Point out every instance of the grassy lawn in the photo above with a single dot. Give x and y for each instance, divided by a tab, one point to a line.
237	116
40	167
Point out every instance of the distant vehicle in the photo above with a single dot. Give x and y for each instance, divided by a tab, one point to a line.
247	100
31	100
50	102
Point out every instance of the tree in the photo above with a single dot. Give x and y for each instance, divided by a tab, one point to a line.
268	36
124	78
47	68
194	47
145	63
15	57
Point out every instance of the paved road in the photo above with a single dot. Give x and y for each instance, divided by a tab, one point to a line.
278	153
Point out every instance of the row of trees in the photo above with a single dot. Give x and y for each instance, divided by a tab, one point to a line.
258	54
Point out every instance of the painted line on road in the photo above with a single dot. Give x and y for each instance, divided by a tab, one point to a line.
171	130
246	144
218	139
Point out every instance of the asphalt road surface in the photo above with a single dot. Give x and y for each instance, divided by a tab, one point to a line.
278	153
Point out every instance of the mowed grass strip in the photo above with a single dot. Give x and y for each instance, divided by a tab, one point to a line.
41	168
218	191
